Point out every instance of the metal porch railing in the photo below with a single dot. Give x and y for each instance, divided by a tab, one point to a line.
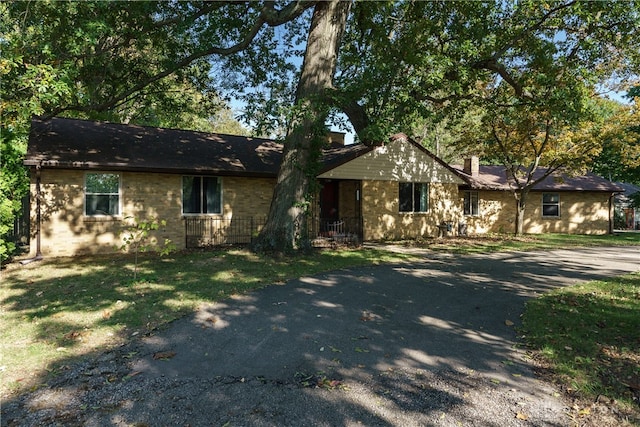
217	231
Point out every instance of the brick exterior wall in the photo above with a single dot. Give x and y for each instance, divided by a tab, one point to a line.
580	213
383	221
66	231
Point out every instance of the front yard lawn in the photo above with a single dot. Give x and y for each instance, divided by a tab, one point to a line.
59	309
527	242
589	337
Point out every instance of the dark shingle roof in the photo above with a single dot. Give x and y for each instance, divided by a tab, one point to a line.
73	143
495	178
65	143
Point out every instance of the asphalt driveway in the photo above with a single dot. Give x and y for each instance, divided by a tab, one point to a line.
428	343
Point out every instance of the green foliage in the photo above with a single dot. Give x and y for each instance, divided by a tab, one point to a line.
620	157
137	237
158	63
98	60
14	184
398	59
589	335
619	220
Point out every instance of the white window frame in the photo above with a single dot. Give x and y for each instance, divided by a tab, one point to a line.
87	194
547	203
413	200
473	196
221	184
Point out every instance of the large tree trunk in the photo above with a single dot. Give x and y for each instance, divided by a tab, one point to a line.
286	226
519	218
521	204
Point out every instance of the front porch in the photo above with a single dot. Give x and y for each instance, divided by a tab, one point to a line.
217	231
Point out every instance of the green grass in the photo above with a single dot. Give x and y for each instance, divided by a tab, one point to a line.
59	309
589	335
529	242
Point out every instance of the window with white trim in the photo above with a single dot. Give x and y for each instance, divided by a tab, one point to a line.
550	205
102	194
471	203
201	195
413	196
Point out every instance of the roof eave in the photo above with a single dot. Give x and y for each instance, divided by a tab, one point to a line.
123	167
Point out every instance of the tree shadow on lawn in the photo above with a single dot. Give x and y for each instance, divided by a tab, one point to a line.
380	331
75	305
61	306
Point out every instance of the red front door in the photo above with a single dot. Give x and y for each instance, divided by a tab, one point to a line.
329	196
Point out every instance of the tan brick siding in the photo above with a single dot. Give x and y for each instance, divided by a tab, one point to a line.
580	213
66	231
383	221
245	197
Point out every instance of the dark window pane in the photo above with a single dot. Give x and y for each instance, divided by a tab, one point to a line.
550	210
102	194
201	195
191	196
421	197
102	205
550	204
406	197
471	203
212	195
467	203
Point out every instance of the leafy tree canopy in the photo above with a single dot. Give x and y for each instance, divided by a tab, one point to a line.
619	159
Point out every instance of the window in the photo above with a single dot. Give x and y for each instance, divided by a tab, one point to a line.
471	203
551	204
201	195
102	194
414	197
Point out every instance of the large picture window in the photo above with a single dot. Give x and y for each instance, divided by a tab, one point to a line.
102	194
201	195
551	204
414	196
471	203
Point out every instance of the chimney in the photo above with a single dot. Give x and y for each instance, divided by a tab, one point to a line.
335	138
472	166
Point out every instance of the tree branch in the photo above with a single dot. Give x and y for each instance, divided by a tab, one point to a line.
268	15
529	29
492	65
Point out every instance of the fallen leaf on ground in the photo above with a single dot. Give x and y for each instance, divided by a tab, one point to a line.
522	416
72	335
131	375
164	355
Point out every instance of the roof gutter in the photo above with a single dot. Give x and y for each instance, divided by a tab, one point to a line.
38	256
612	213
